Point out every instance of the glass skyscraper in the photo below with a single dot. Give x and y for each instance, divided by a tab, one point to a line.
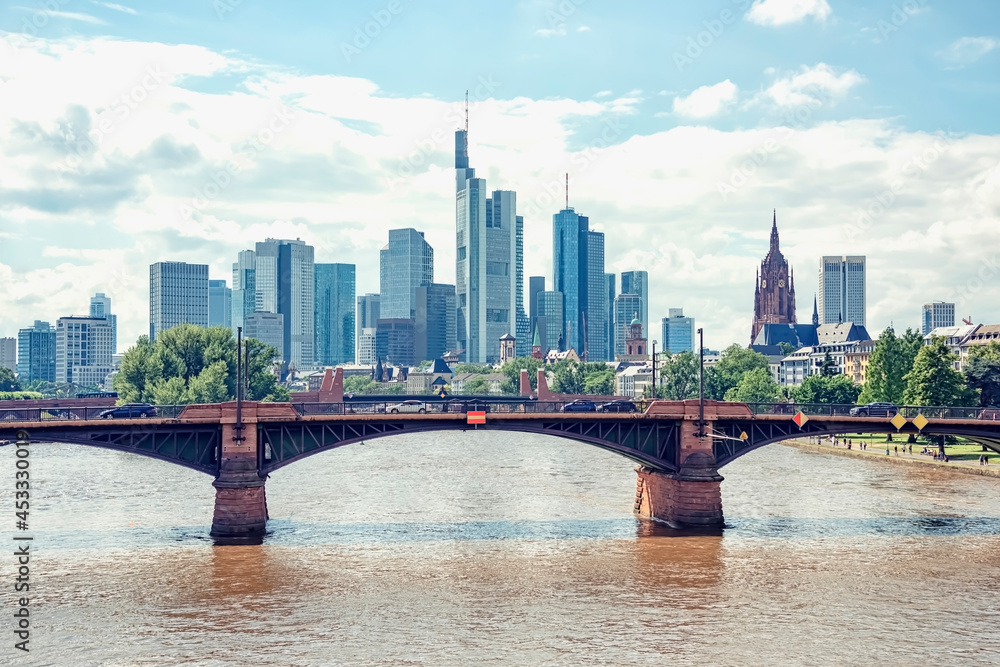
405	264
220	304
842	289
244	299
285	284
334	318
100	306
368	314
178	294
36	353
578	258
637	282
627	307
435	331
678	332
936	314
550	319
83	350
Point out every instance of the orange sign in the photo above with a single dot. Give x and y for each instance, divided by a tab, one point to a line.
478	417
800	419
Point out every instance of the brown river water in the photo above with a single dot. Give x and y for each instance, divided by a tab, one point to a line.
506	549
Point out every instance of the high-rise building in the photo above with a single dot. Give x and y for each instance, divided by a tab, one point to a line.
8	354
637	282
36	353
220	304
536	285
489	261
394	340
178	294
334	317
100	306
435	328
610	325
578	257
405	264
367	353
367	317
842	289
521	321
937	314
551	316
627	308
774	295
285	284
678	332
268	328
83	350
244	299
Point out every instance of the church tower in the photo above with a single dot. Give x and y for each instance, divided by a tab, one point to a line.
774	296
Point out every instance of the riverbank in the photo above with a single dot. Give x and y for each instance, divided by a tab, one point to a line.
876	454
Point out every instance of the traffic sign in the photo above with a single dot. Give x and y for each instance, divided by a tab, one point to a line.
743	435
920	422
476	417
898	421
800	419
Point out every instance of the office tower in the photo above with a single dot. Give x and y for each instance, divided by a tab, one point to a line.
36	353
268	328
100	306
489	261
394	339
627	308
637	282
83	350
244	299
435	329
367	316
522	323
842	289
774	294
367	354
937	314
551	315
334	317
610	324
220	304
536	284
578	257
406	263
178	294
8	354
678	332
285	284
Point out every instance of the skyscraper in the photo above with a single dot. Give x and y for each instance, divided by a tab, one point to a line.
522	324
220	304
36	353
842	289
285	284
83	350
489	261
334	316
936	314
774	295
627	308
368	314
435	328
550	318
244	299
678	332
637	282
100	306
406	263
578	258
536	285
8	354
178	294
268	328
610	325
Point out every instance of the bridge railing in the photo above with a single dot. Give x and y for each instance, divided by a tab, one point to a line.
73	413
429	407
844	410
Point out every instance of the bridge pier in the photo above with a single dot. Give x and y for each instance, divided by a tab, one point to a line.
240	515
691	497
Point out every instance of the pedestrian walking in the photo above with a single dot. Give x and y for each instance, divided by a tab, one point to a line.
896	448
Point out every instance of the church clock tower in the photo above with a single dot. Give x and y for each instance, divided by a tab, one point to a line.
774	297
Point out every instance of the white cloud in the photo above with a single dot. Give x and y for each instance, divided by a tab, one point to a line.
70	16
811	86
551	32
355	161
967	50
707	100
781	12
115	7
584	28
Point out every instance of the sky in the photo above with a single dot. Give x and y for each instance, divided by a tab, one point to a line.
150	131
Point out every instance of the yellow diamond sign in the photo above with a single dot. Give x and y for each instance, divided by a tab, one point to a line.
898	421
920	422
743	435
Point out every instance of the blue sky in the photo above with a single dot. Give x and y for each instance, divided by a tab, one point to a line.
653	107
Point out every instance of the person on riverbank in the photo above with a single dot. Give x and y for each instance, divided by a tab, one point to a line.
896	448
981	460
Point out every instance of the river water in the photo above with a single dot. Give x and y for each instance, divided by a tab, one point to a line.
507	549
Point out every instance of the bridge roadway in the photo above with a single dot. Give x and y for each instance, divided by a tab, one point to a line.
678	464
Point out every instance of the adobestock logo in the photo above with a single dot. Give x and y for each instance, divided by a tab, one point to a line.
364	34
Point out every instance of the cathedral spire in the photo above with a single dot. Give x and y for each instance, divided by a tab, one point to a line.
774	231
815	312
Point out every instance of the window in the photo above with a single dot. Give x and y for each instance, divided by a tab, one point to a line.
461	253
496	315
497	269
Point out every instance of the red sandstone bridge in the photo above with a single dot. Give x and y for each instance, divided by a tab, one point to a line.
679	446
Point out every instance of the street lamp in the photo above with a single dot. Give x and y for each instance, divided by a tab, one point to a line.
701	385
654	369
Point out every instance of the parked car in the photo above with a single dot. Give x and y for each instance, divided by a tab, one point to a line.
875	410
129	410
990	413
580	405
618	405
407	407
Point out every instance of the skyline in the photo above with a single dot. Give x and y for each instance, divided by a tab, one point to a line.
334	171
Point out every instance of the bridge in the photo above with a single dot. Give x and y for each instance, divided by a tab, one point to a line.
678	446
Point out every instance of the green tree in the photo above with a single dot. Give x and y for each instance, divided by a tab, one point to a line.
838	389
7	380
736	361
933	379
472	368
679	376
476	385
982	372
512	369
787	348
828	368
756	386
567	378
890	361
360	384
141	368
600	382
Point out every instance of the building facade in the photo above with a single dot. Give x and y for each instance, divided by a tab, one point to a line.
551	315
774	295
178	294
220	304
578	262
637	282
842	289
678	332
435	330
36	353
334	315
285	284
936	314
367	355
244	290
100	306
83	350
627	308
268	328
8	354
394	340
405	264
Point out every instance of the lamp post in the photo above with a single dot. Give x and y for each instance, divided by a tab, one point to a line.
701	384
654	370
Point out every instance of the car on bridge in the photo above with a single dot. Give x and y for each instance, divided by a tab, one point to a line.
617	405
875	410
128	411
580	405
406	407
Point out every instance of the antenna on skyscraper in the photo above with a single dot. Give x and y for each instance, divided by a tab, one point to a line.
466	111
567	190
